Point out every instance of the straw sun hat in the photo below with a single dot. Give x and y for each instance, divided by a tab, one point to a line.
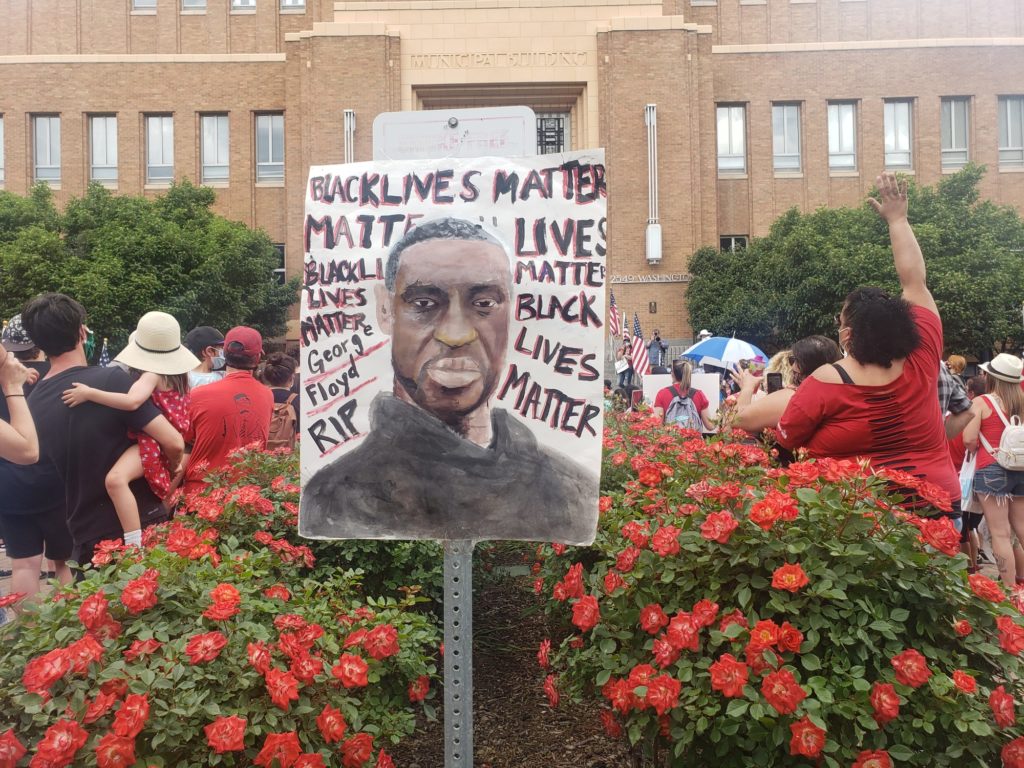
155	346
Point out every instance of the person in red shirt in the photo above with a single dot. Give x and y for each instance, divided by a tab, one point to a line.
231	413
879	402
682	371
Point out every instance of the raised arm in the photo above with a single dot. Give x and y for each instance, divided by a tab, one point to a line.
139	393
891	205
18	441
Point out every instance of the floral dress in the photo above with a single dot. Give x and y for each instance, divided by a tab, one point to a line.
175	407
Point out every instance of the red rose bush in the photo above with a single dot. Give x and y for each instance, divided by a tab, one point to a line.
732	613
225	640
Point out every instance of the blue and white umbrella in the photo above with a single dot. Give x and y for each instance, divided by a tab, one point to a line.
723	352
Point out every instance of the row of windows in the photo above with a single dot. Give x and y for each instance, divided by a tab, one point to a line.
897	117
200	5
159	148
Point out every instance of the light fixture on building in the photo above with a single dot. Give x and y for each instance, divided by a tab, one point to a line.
453	122
653	234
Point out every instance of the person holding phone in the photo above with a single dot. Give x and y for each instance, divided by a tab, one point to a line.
805	356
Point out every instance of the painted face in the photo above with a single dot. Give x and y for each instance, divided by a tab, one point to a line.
449	319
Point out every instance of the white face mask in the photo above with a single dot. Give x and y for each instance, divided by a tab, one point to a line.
217	361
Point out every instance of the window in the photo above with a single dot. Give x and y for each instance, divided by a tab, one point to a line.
897	134
243	3
732	242
842	136
46	145
279	272
138	5
1011	131
269	147
732	156
552	133
103	148
955	122
1	149
215	147
159	149
293	4
193	5
786	137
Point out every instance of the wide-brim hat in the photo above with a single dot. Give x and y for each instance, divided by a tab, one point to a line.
1005	367
155	347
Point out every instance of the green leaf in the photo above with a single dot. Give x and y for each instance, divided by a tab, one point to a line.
810	662
737	708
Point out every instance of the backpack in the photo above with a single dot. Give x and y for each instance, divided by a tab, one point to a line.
1010	453
282	425
682	412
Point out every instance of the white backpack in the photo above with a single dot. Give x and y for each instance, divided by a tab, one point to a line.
1010	453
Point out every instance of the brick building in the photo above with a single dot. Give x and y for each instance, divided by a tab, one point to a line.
760	105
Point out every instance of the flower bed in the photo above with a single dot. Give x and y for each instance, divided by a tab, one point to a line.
732	614
223	641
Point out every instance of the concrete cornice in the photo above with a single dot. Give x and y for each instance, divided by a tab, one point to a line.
874	45
145	58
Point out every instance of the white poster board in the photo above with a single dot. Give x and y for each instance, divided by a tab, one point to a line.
653	384
710	384
452	326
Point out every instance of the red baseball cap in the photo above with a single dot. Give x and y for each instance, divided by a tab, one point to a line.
245	341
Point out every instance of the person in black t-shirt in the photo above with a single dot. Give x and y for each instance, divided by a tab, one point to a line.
83	443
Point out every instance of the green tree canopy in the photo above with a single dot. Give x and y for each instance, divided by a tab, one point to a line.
791	283
123	256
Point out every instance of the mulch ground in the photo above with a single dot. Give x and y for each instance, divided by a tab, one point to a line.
513	725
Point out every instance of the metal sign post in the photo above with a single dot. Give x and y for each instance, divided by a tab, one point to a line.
458	653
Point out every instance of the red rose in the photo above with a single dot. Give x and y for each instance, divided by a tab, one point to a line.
384	760
331	724
83	652
290	621
221	611
940	533
627	559
98	707
226	734
305	668
911	668
115	751
662	693
351	670
807	738
705	612
206	647
637	532
1011	635
875	758
652	618
641	674
761	659
885	701
551	691
43	671
60	743
790	577
117	688
649	476
802	474
93	612
665	654
718	526
357	750
308	760
586	613
610	724
782	691
282	687
790	638
259	657
542	653
11	750
282	747
604	504
419	688
736	617
728	676
1002	707
142	648
612	581
764	634
130	719
665	541
962	627
1013	753
139	595
985	588
381	642
278	592
620	693
683	632
965	682
764	514
225	593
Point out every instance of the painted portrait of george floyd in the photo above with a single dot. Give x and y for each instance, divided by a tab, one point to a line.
452	351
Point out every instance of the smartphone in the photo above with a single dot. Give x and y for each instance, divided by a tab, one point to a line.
774	382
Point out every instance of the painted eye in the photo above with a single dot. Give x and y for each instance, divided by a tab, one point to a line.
485	303
424	303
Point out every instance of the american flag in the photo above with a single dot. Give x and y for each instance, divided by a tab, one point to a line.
104	355
641	363
614	323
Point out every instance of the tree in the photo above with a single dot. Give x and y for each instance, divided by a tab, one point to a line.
123	256
791	283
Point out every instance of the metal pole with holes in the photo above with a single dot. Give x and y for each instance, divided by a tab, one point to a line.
458	653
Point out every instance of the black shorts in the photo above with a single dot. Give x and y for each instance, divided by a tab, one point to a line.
39	533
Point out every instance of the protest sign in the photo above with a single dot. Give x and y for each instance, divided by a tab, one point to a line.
452	330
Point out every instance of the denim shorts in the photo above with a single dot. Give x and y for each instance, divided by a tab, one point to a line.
993	480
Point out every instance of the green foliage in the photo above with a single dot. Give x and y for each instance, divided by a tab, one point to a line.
791	283
874	589
123	256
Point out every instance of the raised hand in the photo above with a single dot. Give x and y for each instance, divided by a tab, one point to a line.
891	203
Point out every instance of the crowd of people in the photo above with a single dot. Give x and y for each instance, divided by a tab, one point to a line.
90	452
